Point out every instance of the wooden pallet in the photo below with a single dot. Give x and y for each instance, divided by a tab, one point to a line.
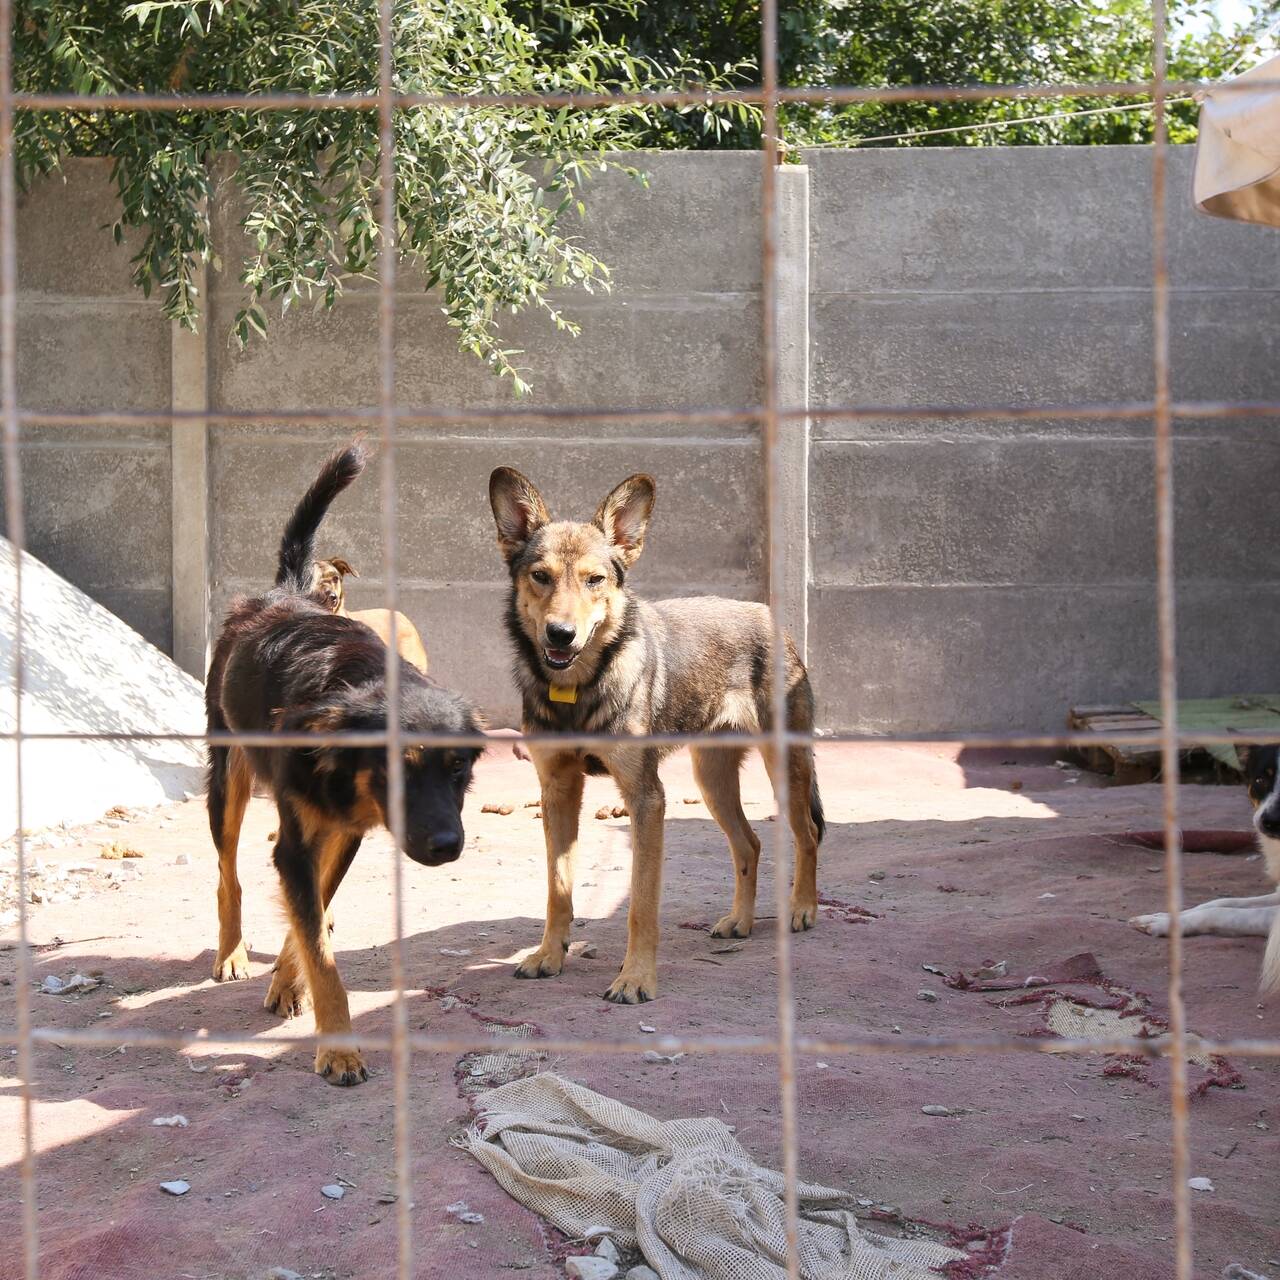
1126	764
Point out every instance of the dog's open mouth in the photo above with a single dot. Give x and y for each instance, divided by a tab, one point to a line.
559	659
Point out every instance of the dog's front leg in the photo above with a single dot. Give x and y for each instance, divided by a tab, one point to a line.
301	867
646	802
562	779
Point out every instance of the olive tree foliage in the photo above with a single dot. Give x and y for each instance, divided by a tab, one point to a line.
479	191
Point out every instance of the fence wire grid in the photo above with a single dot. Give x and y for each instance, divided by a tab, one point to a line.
773	418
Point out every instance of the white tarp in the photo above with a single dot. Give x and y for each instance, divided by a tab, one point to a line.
86	671
1238	152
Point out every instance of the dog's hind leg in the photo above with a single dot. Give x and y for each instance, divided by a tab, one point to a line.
302	865
229	785
636	773
803	812
562	781
717	773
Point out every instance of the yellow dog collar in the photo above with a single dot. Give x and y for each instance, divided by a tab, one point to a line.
559	694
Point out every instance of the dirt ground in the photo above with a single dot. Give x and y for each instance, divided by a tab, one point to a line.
961	860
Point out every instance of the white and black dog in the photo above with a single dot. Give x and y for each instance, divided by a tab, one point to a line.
1245	917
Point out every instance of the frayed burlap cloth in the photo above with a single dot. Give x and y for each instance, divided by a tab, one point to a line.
683	1191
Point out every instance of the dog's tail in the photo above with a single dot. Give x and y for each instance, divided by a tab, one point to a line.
297	547
815	802
1269	983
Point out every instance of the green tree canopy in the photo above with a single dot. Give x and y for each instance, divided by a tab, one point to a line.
478	190
917	42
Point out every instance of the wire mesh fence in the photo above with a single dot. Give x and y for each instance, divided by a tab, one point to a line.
773	418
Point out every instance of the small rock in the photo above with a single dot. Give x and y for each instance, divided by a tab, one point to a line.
388	1197
585	949
503	809
998	970
929	997
1078	1119
603	812
1043	896
647	1029
171	1122
333	1191
184	860
455	951
652	1055
176	1188
1201	1184
590	1268
283	1273
1234	1271
934	1109
607	1249
641	1273
471	1217
876	875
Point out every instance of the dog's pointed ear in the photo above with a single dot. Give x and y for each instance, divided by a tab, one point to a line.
344	567
624	516
518	510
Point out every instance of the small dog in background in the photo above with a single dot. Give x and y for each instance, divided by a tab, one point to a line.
328	589
1244	917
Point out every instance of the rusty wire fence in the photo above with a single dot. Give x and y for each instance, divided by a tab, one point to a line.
773	419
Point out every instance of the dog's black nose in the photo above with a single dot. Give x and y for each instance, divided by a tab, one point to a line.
560	635
1269	825
444	846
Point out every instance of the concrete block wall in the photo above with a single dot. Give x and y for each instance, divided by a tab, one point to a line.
963	574
981	575
97	499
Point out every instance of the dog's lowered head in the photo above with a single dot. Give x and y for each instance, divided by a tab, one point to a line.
568	577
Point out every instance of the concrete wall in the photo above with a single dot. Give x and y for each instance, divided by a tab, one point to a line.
97	498
965	575
971	574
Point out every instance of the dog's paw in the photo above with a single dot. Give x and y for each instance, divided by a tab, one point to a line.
632	988
732	926
1156	925
542	964
287	996
232	968
804	915
341	1066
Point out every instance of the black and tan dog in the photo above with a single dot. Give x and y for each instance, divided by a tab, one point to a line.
327	586
285	663
591	657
